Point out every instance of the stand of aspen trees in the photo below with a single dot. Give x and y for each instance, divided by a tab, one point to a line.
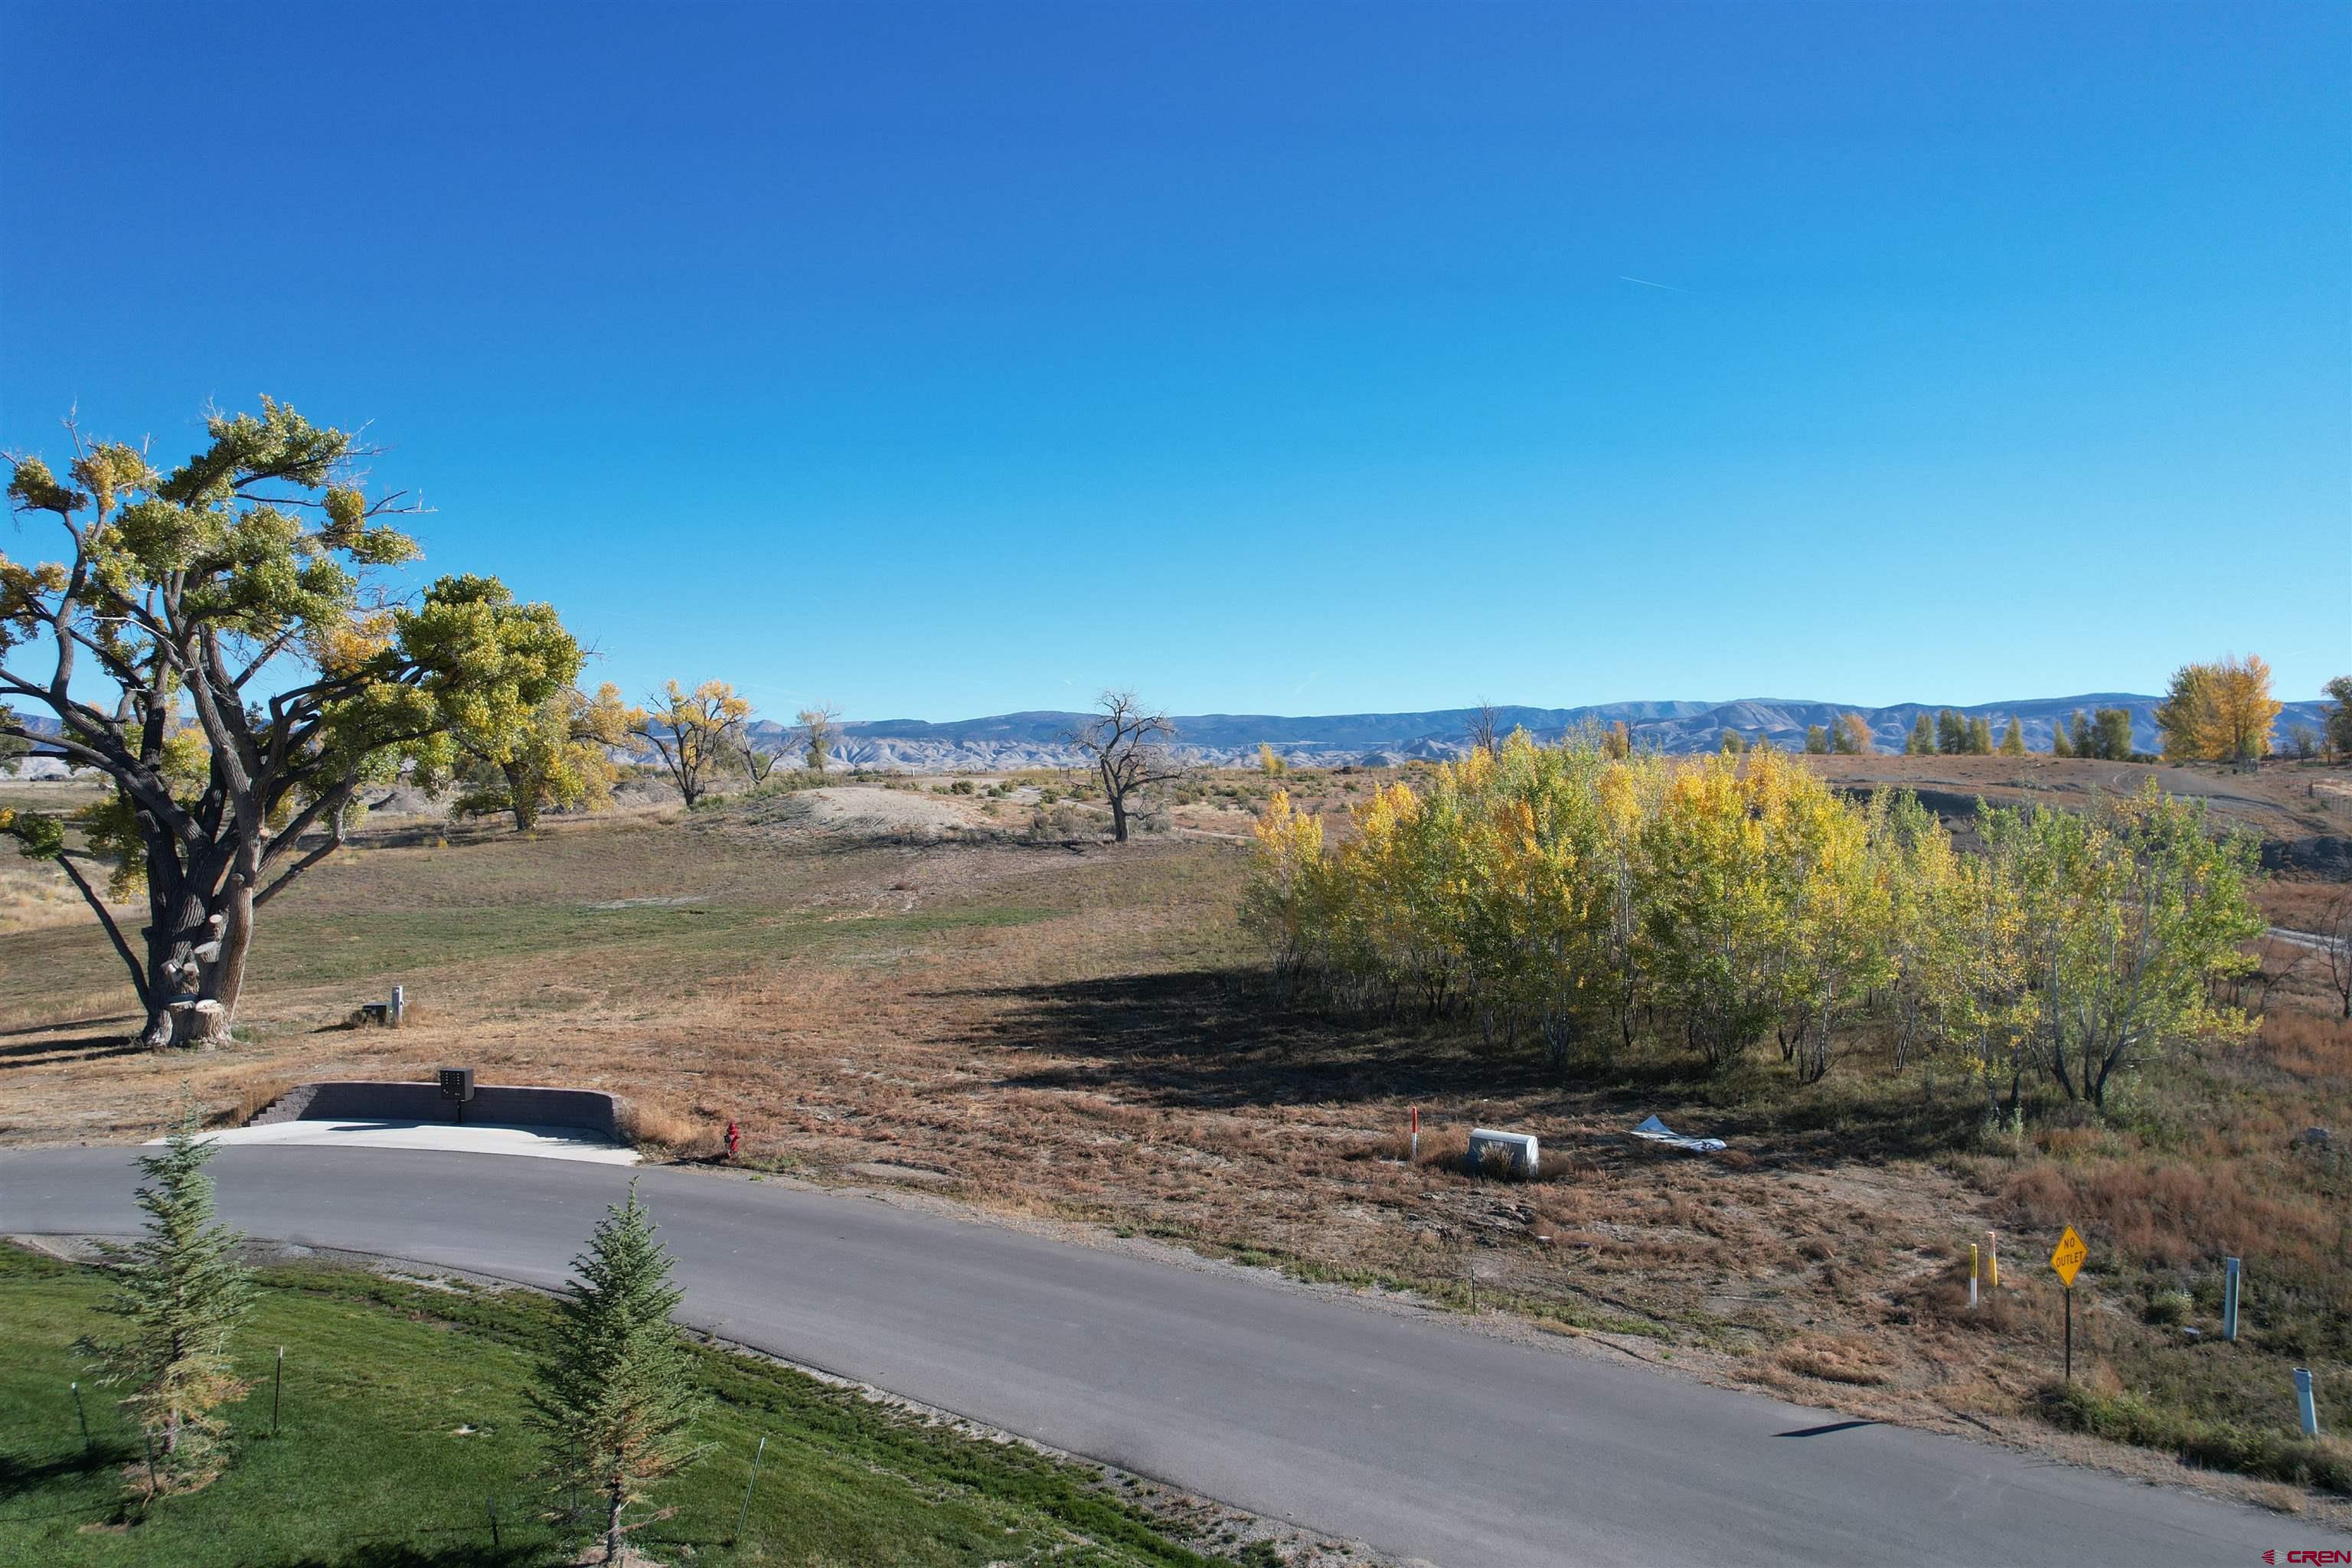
1585	900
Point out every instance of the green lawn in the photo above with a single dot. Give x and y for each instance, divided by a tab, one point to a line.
403	1427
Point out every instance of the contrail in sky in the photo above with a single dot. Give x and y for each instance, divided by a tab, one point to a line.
1647	284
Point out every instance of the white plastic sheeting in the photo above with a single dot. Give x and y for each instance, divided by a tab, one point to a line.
1657	1131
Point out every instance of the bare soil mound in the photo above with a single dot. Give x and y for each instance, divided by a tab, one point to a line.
863	811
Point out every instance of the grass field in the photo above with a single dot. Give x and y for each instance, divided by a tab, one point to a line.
402	1428
1082	1033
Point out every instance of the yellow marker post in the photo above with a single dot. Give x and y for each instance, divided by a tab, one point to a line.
1993	1260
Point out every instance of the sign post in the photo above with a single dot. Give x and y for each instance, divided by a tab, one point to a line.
2066	1259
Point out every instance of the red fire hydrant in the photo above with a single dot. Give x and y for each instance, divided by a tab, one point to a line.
734	1139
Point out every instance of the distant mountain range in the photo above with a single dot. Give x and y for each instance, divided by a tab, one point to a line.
1038	740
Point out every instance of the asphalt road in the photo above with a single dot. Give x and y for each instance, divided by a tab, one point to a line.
1421	1437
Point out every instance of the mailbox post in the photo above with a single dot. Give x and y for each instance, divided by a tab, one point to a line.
457	1088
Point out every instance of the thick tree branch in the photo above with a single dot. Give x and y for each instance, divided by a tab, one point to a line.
336	839
269	651
335	842
88	719
134	780
116	664
304	820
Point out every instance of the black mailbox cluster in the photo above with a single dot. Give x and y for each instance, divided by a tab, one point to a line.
457	1084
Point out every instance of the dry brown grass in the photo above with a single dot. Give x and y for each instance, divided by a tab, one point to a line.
2309	1045
1831	1359
34	894
2184	1185
2300	902
664	1132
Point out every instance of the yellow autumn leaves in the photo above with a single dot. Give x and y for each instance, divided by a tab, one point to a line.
1576	898
2221	711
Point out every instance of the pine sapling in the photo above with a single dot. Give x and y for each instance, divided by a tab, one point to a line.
183	1294
617	1394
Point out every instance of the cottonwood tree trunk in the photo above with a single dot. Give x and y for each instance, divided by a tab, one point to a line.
201	901
522	799
200	926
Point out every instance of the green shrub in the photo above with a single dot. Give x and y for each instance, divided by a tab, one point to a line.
2216	1446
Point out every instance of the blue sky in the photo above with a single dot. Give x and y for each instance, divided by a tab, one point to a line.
948	361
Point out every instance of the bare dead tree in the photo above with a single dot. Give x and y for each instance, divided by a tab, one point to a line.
2275	961
1484	723
2335	946
756	763
1126	745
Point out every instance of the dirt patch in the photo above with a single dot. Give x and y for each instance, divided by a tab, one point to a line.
863	810
891	1171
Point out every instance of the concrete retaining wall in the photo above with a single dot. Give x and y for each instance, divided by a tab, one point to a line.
492	1105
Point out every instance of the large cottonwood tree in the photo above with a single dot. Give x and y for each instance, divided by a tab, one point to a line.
2221	711
219	642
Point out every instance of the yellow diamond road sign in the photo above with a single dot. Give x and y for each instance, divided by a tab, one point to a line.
2069	1256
